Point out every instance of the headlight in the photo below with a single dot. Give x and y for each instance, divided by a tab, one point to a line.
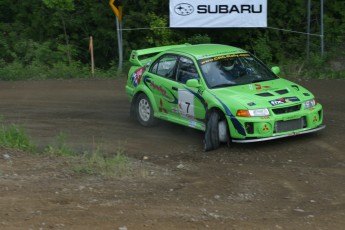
253	113
309	104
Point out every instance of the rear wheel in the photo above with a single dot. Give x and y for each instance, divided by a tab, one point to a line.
144	111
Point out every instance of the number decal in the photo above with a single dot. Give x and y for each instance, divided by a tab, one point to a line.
186	103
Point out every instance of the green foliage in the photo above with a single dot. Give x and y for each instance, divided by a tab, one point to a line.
67	5
262	49
199	39
327	67
15	137
59	148
159	35
49	38
59	70
97	162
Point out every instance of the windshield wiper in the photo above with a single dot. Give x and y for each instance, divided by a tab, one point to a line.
260	80
223	85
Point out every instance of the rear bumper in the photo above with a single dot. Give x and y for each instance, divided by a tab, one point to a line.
280	136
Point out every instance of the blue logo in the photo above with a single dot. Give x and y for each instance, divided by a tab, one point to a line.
184	9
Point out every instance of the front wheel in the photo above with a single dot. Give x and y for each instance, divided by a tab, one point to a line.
144	111
216	131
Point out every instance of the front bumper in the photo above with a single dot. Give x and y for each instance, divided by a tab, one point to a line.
280	136
276	126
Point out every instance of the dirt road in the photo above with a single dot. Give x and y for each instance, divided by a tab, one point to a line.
293	183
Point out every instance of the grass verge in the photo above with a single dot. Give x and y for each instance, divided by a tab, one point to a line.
15	137
94	162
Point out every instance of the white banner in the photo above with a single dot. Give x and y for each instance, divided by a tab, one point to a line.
218	13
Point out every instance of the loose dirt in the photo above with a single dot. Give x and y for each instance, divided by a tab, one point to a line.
291	183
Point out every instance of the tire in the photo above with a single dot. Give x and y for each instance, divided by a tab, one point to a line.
144	111
211	140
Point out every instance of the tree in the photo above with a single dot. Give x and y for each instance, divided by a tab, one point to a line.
62	8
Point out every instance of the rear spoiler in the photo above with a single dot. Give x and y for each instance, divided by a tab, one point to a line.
134	58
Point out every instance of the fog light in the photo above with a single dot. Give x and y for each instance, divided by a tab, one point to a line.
249	127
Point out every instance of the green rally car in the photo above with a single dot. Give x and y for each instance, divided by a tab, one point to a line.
222	90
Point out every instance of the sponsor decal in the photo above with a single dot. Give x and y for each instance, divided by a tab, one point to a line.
260	87
136	76
218	13
174	110
315	119
184	9
158	88
229	9
192	124
161	109
167	94
223	57
281	101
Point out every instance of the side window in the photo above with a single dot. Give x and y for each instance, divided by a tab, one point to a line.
186	70
165	66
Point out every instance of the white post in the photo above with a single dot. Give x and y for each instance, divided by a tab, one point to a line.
92	57
119	42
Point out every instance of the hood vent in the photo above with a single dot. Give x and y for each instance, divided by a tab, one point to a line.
264	94
282	91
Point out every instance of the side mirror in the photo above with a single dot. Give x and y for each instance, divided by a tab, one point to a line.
275	70
193	83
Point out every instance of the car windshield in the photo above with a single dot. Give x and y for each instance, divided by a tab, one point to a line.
234	69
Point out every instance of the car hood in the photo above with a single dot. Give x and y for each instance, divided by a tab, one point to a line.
267	94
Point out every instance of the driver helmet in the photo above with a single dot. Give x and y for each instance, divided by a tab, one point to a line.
228	64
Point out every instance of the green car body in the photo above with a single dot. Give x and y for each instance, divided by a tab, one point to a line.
177	83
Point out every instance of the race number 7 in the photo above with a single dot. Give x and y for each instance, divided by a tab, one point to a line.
186	103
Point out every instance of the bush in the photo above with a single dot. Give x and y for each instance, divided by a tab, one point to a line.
15	137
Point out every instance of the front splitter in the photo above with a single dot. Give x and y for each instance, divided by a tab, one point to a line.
280	136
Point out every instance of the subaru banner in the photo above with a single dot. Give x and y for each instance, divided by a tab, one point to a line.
218	13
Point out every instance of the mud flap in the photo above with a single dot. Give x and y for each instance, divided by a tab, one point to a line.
211	140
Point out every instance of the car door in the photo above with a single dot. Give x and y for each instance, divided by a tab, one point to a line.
191	104
163	83
175	101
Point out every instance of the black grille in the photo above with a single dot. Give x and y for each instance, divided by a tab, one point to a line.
286	109
249	127
290	125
